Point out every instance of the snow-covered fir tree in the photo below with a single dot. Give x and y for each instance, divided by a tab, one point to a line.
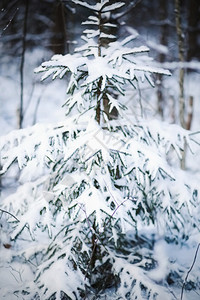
99	196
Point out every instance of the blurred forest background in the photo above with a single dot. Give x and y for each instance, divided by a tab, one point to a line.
172	35
54	24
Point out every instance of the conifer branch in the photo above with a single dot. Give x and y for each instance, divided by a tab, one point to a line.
7	212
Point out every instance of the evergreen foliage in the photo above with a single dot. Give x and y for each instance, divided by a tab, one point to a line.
99	190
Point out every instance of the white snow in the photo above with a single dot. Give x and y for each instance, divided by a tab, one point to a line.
46	101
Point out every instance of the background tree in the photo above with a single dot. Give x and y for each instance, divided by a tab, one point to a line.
163	9
193	30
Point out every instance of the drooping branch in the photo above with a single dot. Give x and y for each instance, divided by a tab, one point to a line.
7	212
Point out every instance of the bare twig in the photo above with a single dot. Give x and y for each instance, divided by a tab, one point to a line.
10	21
173	294
190	269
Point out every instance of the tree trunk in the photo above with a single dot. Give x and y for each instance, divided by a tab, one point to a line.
161	58
193	29
21	108
59	31
180	37
181	59
98	107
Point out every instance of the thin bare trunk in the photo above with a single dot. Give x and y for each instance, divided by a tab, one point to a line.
59	30
172	109
181	59
0	181
21	108
188	124
181	75
190	113
185	123
163	41
193	30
